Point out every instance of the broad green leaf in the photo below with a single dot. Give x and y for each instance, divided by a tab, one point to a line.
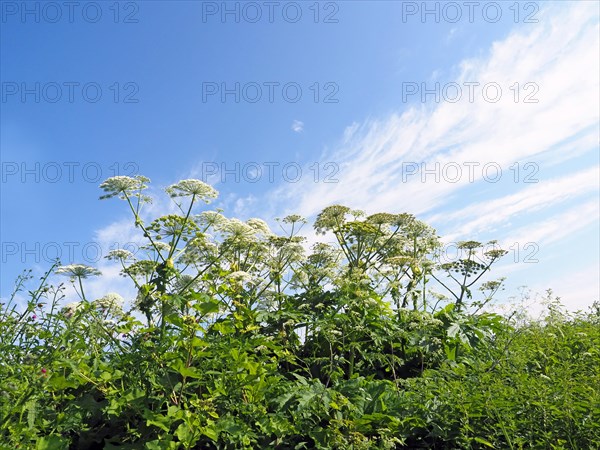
186	371
52	442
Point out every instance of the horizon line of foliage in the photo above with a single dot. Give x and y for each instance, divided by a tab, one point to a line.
241	338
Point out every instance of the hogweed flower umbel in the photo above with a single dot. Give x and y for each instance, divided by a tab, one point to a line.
111	302
125	187
238	230
119	254
71	308
211	219
240	277
77	271
191	187
260	226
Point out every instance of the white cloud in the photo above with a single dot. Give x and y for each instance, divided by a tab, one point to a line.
244	206
577	290
558	55
451	35
559	226
483	216
555	64
298	126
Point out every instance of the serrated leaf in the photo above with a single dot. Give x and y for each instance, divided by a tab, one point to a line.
453	330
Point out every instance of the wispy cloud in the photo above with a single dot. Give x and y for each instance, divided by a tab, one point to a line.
558	56
483	216
550	118
558	226
298	126
577	290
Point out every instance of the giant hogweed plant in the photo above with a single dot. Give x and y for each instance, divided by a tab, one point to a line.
248	329
245	263
337	299
235	261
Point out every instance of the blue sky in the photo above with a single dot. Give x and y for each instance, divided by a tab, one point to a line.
348	90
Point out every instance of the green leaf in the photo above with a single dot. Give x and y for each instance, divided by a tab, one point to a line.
59	382
158	420
52	442
188	372
186	435
161	444
210	431
175	320
211	306
450	351
484	442
453	330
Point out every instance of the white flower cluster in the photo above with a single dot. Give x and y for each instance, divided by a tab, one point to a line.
77	271
120	254
191	187
160	246
260	226
111	302
240	277
199	250
238	230
123	187
71	308
292	251
211	219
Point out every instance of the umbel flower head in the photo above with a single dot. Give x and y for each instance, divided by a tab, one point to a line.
119	254
382	218
260	226
71	308
110	301
125	187
331	218
294	218
191	187
77	271
111	304
240	277
211	219
238	230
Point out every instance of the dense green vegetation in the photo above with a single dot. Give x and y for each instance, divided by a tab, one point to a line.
239	338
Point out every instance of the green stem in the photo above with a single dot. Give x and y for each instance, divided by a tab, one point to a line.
81	287
176	241
351	363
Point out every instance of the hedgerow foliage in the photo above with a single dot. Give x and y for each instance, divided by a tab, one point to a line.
241	338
